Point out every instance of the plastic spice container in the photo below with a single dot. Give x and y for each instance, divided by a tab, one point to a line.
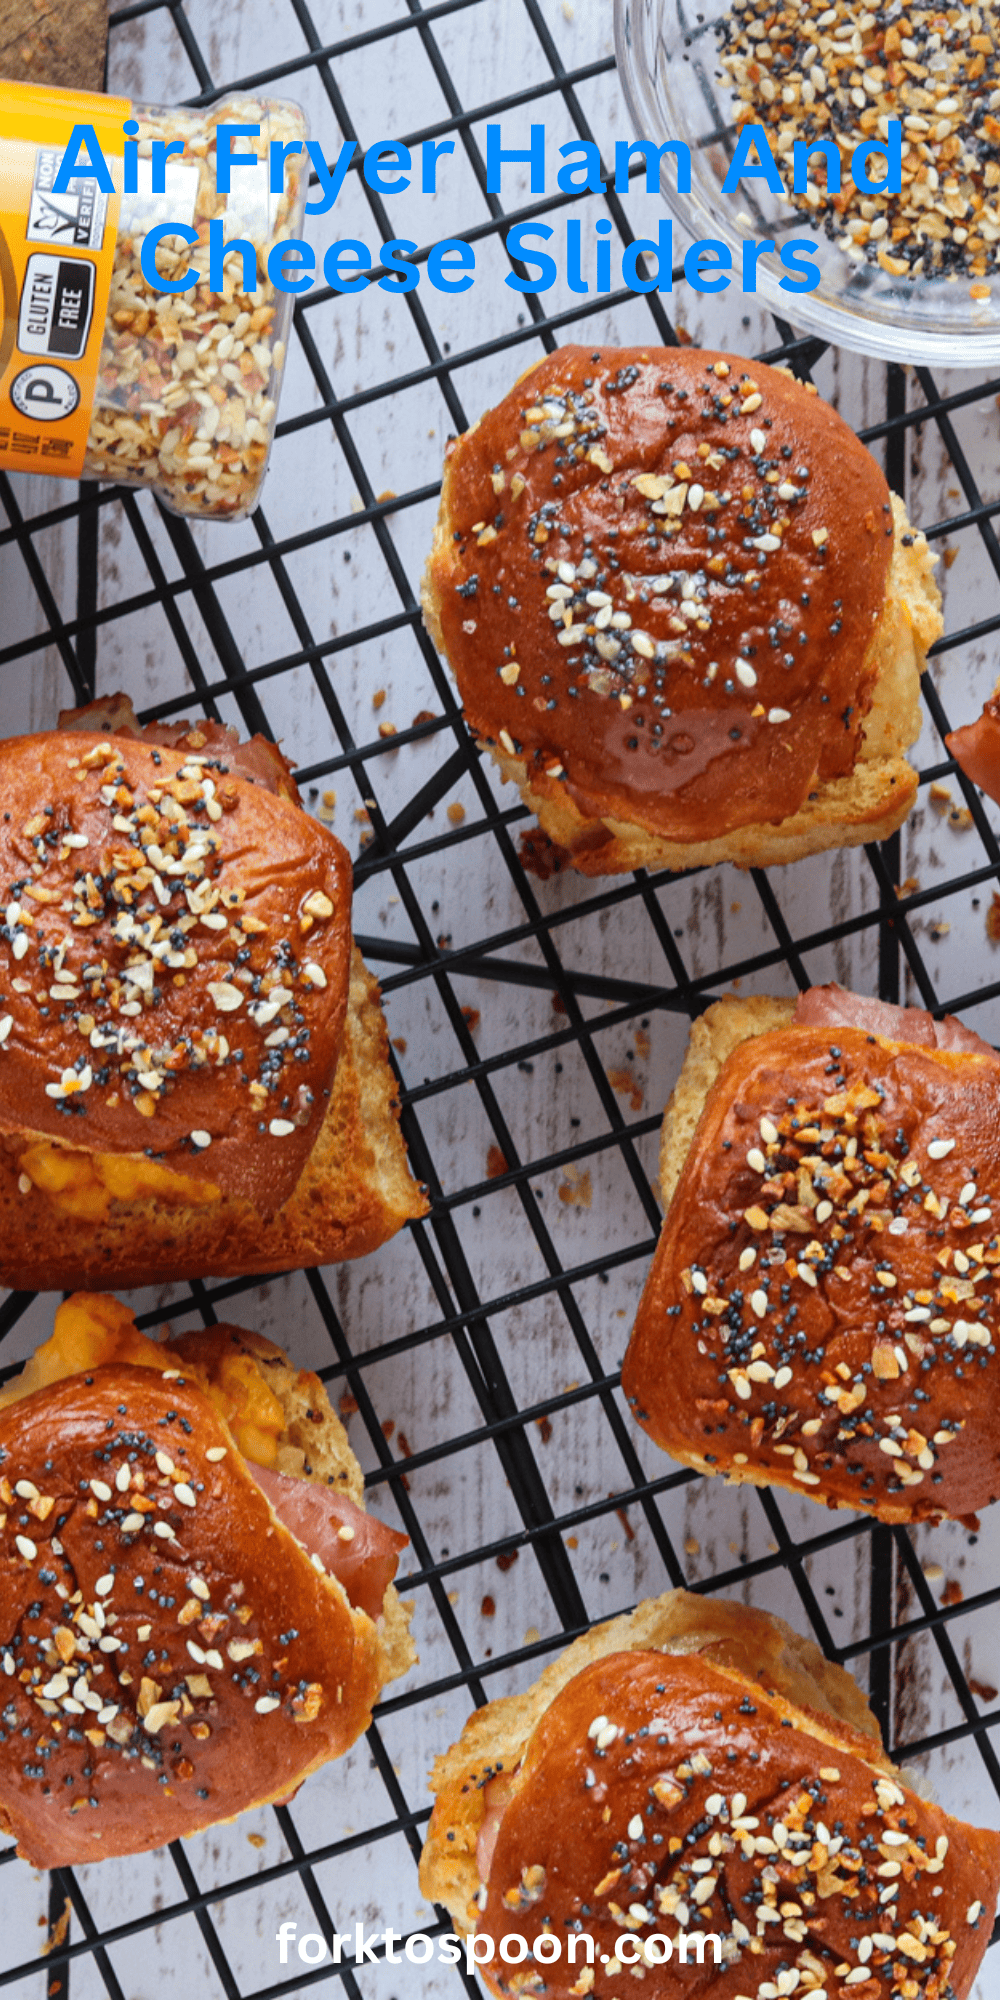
102	376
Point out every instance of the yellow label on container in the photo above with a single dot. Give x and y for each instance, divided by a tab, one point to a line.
56	258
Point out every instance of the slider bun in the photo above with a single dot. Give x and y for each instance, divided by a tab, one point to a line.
893	1344
356	1190
708	1701
133	878
752	1642
828	622
230	1581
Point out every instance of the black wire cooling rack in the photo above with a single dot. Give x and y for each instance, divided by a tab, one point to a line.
542	949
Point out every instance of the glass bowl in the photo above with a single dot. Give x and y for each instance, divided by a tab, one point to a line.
668	60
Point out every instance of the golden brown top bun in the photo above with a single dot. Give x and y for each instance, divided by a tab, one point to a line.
820	1309
170	1654
658	575
689	1790
174	958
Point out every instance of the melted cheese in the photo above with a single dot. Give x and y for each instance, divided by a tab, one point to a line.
86	1184
92	1331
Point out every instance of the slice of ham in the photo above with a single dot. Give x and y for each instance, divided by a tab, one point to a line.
976	748
260	762
365	1564
496	1796
833	1007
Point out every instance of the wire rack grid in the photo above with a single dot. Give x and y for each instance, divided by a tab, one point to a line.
537	1026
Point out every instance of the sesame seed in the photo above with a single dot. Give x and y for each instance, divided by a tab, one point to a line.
216	1452
745	674
281	1128
201	1139
99	1490
131	1524
635	1827
105	1584
267	1704
940	1148
756	1160
25	1547
226	996
184	1493
164	1531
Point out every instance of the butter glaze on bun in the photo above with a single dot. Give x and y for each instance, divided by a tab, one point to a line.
683	611
173	1653
180	1084
821	1310
698	1766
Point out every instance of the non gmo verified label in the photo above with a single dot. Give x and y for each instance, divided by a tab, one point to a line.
75	219
57	302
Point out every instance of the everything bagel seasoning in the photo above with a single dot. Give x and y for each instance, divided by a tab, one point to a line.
810	72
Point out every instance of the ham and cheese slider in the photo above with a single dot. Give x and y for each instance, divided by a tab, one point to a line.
684	612
194	1072
195	1609
697	1769
822	1311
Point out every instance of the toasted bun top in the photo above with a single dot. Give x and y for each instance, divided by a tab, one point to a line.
658	573
670	1793
157	1622
820	1305
174	959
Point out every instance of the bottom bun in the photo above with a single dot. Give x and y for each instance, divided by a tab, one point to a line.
698	1768
172	1653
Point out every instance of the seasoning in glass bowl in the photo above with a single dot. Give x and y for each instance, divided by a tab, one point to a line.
812	72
